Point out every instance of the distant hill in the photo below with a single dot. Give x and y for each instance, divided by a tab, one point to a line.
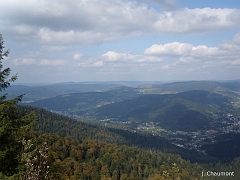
36	92
179	110
33	93
81	103
177	87
232	85
190	85
187	111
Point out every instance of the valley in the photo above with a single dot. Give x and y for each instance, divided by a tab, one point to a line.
144	131
190	115
184	139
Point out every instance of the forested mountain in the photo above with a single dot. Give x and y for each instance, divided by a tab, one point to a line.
80	103
232	85
48	122
93	153
225	147
79	156
188	111
70	158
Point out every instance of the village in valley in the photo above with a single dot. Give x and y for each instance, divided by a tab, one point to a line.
194	140
184	139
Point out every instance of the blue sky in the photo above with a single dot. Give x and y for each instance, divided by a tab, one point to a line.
110	40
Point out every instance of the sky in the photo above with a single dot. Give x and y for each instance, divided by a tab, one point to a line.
121	40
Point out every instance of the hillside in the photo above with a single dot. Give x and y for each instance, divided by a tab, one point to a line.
38	92
70	158
188	111
48	122
176	87
41	91
89	154
189	119
229	145
81	103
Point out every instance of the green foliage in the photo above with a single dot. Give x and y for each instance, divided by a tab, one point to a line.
14	126
48	122
225	148
186	111
89	159
80	103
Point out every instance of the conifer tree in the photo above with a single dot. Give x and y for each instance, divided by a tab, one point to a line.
14	126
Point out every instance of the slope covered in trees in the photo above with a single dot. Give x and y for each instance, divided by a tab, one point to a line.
187	111
225	147
89	159
92	154
82	103
48	122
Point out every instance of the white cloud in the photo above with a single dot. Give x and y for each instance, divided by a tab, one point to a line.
236	39
187	58
203	50
42	34
236	62
20	62
164	67
116	61
98	64
46	62
93	22
23	29
111	56
197	20
174	48
77	56
188	50
56	48
43	62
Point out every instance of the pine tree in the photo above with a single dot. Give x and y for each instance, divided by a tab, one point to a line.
14	126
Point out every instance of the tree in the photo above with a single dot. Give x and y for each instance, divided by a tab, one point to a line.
14	125
4	73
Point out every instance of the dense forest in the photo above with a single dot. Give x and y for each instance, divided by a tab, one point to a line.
48	122
74	152
84	151
89	159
